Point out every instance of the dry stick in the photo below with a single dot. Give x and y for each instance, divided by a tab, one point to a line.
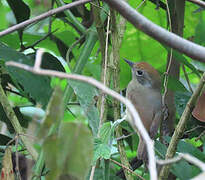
140	4
42	16
160	34
185	156
187	78
179	130
199	137
15	123
198	2
137	123
131	171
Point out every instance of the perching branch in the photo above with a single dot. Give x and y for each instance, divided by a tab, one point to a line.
189	48
137	123
42	16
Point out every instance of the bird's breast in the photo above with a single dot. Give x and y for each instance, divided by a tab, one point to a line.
146	101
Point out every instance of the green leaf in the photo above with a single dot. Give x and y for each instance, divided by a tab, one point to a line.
160	149
4	140
175	85
183	166
86	96
101	150
105	132
179	57
181	99
70	156
54	113
37	87
185	147
18	6
199	32
48	62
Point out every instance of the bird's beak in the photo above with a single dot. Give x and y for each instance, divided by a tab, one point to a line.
128	62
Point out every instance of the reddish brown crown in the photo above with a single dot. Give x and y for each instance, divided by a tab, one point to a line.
147	67
150	70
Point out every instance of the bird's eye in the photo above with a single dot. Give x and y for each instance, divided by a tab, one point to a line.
139	72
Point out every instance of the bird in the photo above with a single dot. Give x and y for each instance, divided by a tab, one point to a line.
144	91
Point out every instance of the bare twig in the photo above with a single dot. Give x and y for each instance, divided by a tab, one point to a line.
42	16
137	123
38	41
198	2
187	157
70	49
187	78
191	49
140	4
199	137
193	129
131	171
124	137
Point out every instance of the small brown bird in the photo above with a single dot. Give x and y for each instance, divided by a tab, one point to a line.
144	92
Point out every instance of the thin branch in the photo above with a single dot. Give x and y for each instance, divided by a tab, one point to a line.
71	48
140	4
187	78
198	2
191	49
131	171
42	16
124	137
181	156
199	137
137	123
38	41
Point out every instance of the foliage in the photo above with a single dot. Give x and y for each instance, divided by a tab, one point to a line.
69	134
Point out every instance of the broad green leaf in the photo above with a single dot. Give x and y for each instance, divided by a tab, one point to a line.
18	6
54	113
160	149
183	166
48	62
181	99
86	96
185	147
179	57
101	150
175	85
70	156
105	132
200	31
37	87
